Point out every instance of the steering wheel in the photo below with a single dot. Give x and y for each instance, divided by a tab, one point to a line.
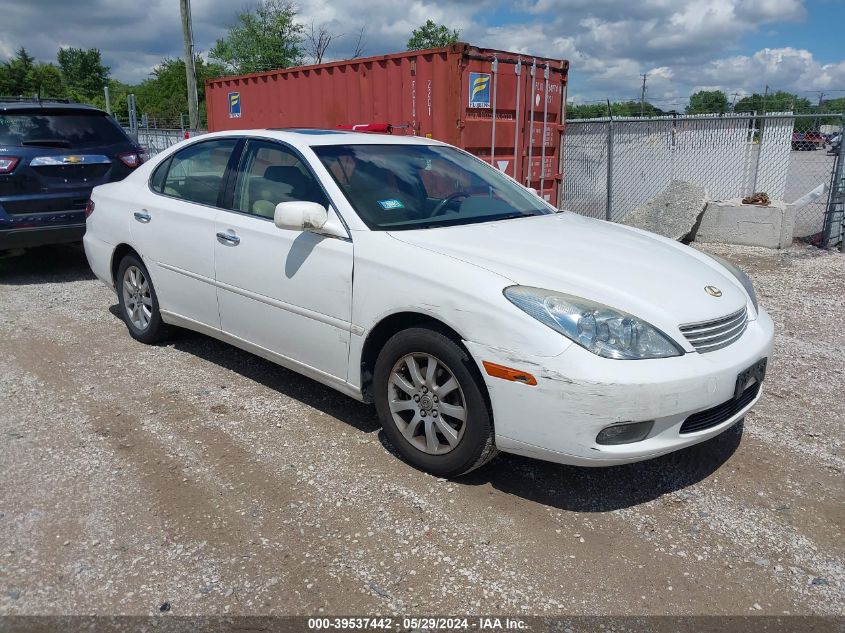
440	209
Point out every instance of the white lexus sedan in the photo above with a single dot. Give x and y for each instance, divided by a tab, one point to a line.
407	273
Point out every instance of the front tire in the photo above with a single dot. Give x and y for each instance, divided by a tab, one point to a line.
138	301
431	403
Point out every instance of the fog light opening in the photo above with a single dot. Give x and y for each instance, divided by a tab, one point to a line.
624	433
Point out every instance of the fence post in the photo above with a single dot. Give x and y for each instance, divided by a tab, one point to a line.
133	115
759	151
836	198
609	211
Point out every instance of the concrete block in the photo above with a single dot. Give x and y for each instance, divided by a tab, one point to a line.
731	222
673	213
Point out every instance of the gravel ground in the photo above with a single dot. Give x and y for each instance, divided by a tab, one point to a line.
195	474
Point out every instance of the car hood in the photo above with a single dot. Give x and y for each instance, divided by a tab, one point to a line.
646	275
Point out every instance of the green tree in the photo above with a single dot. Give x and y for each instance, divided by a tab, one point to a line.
619	109
164	95
835	106
263	38
47	81
707	102
83	72
117	98
586	111
16	75
632	109
779	101
431	35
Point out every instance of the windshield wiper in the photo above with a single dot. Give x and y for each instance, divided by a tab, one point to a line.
480	219
48	142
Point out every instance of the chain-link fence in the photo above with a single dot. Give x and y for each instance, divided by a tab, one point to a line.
156	140
612	166
156	134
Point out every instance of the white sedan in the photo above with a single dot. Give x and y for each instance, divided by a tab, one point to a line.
407	273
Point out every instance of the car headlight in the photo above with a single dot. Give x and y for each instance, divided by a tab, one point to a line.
744	279
596	327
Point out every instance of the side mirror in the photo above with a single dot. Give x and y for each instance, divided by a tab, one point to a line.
300	216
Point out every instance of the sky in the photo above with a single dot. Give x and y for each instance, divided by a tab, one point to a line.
738	46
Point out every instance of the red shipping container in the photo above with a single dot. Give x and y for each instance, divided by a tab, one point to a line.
481	100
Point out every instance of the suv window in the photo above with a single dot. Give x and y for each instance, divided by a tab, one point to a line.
196	173
269	174
59	129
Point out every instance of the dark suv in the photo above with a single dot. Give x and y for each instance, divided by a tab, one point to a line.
51	155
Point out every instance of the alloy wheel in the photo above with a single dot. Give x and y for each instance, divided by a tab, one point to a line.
137	300
427	403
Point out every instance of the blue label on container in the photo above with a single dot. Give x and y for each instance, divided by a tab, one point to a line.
479	90
391	203
234	105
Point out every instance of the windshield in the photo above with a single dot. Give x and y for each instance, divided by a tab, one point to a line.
398	187
73	130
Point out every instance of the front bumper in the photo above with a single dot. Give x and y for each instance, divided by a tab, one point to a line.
578	394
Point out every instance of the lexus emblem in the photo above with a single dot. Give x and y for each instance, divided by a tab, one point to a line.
713	291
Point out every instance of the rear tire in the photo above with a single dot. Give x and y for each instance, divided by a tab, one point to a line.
138	301
431	403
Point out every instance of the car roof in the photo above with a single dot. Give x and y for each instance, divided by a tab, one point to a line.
34	104
314	136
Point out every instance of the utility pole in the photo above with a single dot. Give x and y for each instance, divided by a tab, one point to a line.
190	71
642	95
733	103
821	96
765	94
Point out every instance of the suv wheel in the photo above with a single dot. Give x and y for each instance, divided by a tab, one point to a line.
431	403
138	301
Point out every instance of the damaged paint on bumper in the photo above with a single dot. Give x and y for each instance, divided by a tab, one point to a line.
578	394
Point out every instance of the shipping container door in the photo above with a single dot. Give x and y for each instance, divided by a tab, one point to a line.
491	124
541	141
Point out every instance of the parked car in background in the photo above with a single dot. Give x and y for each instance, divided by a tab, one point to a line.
835	142
52	153
808	140
405	272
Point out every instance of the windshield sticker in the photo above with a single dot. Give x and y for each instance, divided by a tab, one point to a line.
391	203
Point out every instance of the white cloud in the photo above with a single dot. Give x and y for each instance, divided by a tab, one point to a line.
782	68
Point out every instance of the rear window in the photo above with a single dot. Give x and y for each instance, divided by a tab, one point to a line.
73	129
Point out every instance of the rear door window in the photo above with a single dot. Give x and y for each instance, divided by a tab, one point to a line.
74	130
157	181
197	173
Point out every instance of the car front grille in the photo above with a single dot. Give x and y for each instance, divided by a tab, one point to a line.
708	336
713	417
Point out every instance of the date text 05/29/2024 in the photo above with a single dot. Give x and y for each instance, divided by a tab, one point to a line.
412	623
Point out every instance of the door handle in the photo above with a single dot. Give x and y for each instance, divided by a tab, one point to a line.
142	216
229	238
